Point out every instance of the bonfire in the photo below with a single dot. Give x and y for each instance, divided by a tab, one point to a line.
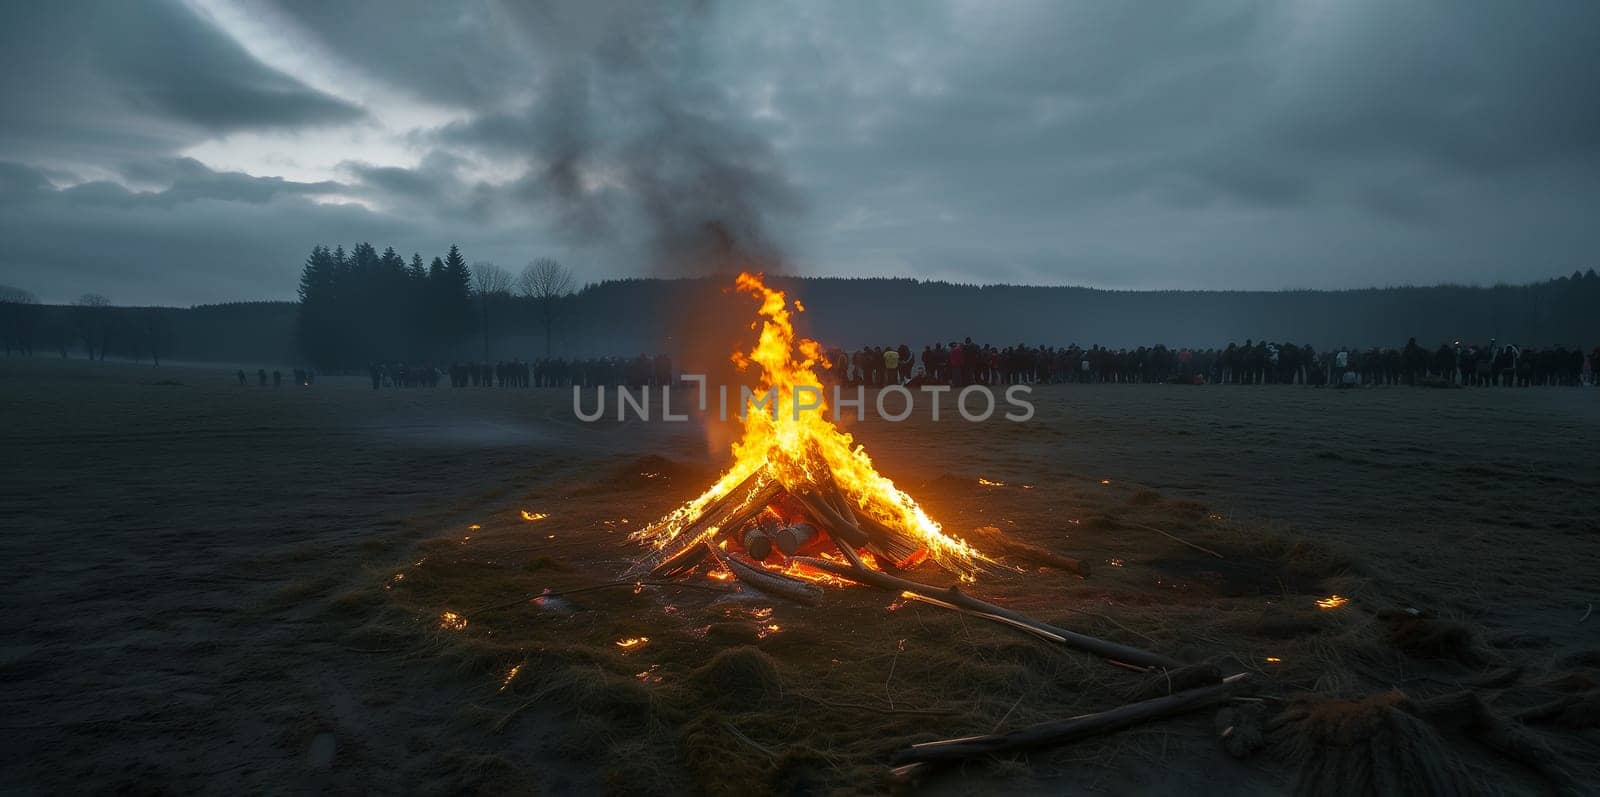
802	504
798	484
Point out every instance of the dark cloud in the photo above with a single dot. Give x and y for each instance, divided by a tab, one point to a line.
1231	143
84	80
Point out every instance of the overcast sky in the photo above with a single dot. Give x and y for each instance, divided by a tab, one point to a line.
189	152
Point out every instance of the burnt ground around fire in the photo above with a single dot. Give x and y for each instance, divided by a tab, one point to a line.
242	589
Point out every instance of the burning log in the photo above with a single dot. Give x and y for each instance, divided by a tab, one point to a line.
890	545
790	539
757	543
1065	731
685	561
750	572
725	513
836	525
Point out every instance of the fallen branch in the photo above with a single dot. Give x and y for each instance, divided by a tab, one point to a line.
1065	731
953	597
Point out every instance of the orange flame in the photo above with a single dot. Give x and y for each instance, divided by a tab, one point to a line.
1332	602
780	442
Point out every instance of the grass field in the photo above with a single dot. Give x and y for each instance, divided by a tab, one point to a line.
236	589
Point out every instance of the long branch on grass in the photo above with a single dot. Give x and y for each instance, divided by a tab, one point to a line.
1056	732
953	597
1175	538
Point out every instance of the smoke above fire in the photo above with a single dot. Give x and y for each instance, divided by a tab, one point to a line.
630	140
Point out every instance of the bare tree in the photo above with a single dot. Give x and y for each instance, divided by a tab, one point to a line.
493	285
19	314
546	281
93	313
155	328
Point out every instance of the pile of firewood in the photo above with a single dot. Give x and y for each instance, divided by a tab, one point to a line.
745	520
736	523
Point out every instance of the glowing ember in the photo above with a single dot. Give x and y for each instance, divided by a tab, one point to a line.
633	642
450	621
720	575
1332	602
1105	481
782	443
474	527
1273	660
534	517
511	675
987	483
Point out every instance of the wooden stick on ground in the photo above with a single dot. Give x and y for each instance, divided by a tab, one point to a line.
1064	731
956	597
857	571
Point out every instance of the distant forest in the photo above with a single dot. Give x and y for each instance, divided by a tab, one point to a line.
361	306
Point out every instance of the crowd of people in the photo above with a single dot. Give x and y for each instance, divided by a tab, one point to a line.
961	363
1253	362
302	376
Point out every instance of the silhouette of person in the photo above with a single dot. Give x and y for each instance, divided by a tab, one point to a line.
277	378
261	377
241	378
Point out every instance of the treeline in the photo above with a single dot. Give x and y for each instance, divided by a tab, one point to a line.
362	306
377	308
91	325
887	312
